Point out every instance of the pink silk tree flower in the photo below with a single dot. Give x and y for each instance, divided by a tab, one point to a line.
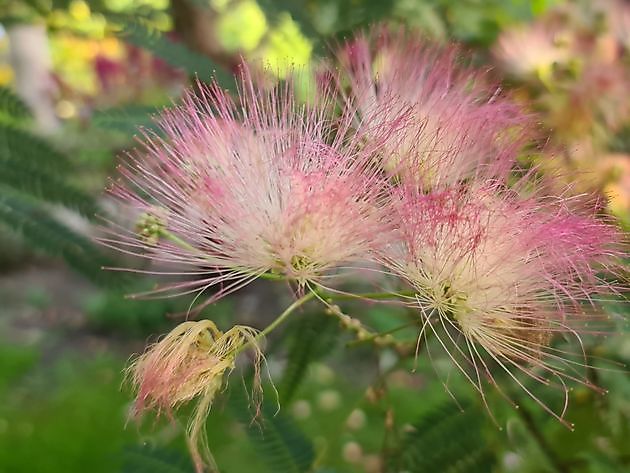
495	276
252	186
457	124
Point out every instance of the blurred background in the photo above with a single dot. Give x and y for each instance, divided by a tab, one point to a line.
77	77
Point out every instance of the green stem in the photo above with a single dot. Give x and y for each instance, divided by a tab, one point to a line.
283	316
178	241
375	335
369	295
273	277
277	321
541	441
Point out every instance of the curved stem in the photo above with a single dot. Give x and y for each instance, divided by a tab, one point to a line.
376	335
368	295
283	316
277	321
177	240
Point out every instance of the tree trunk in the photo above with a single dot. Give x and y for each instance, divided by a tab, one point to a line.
30	58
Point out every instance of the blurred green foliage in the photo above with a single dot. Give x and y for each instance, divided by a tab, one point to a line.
61	418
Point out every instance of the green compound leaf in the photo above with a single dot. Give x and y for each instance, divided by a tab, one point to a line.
33	221
17	144
447	440
12	106
126	119
31	180
313	337
147	459
274	435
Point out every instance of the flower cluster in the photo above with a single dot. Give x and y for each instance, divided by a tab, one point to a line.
571	64
404	160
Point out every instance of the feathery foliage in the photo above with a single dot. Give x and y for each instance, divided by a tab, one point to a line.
313	337
126	119
16	143
274	435
11	106
33	222
448	440
18	173
33	175
147	459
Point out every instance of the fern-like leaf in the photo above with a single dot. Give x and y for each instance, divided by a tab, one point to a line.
446	440
146	459
277	439
12	106
126	119
28	164
313	337
21	145
24	177
34	223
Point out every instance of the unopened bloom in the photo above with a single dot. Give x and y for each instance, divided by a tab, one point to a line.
455	123
260	184
189	364
494	275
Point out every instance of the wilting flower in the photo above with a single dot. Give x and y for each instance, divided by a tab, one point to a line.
260	185
499	273
191	363
455	123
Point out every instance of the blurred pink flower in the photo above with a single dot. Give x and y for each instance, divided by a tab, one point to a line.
503	271
617	15
456	124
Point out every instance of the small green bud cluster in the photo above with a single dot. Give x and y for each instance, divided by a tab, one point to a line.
361	333
150	226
